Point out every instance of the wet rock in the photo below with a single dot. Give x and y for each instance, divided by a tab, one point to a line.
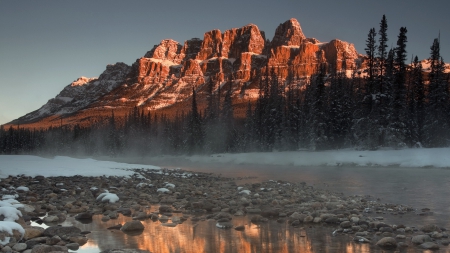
430	228
84	216
124	251
429	245
53	240
165	209
224	224
258	219
361	239
47	248
6	249
20	247
332	220
118	226
80	240
240	228
169	224
73	246
420	239
50	219
61	231
133	225
387	242
345	224
33	232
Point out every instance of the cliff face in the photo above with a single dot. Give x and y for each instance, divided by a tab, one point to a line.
165	75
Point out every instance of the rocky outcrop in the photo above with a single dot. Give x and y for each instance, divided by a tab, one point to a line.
288	34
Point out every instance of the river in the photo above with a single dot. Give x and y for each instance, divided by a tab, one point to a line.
415	187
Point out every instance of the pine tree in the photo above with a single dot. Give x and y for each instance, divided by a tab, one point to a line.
436	120
370	51
398	133
195	132
382	51
417	103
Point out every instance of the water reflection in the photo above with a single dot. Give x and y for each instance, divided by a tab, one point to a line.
204	236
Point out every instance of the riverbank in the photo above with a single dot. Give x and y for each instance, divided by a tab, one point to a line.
172	198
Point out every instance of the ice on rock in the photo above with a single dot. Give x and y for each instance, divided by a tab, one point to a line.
162	190
108	197
169	185
22	188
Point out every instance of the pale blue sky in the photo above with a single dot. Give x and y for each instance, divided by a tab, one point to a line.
46	44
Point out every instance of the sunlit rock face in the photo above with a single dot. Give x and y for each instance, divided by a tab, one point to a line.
165	75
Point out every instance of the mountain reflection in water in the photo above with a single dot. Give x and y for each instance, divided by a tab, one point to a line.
204	236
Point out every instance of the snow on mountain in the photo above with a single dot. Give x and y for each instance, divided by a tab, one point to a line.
80	93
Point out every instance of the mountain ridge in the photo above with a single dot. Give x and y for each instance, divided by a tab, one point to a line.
162	80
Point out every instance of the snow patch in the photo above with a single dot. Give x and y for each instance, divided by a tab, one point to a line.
8	227
108	197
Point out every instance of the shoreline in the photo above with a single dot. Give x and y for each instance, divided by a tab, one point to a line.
205	196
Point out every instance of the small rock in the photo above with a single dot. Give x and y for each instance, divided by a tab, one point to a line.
387	242
420	239
73	246
345	224
84	216
20	247
133	225
224	224
429	245
240	228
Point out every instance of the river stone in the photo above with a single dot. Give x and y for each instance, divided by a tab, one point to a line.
84	216
6	249
308	219
297	216
240	228
430	228
386	229
47	248
20	247
73	246
33	232
346	224
224	224
361	239
124	251
50	219
53	240
169	224
420	239
133	225
165	209
61	231
387	242
80	240
429	245
332	220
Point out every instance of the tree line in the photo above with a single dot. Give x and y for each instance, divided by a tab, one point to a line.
389	104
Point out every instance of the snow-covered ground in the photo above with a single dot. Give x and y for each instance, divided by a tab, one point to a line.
63	166
66	166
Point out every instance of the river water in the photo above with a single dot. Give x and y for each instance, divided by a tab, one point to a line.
415	187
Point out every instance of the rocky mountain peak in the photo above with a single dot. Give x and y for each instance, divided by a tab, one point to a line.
167	49
288	34
81	81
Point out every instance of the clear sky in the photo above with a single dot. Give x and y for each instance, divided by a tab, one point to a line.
47	44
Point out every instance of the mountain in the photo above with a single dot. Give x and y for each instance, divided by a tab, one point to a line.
162	80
